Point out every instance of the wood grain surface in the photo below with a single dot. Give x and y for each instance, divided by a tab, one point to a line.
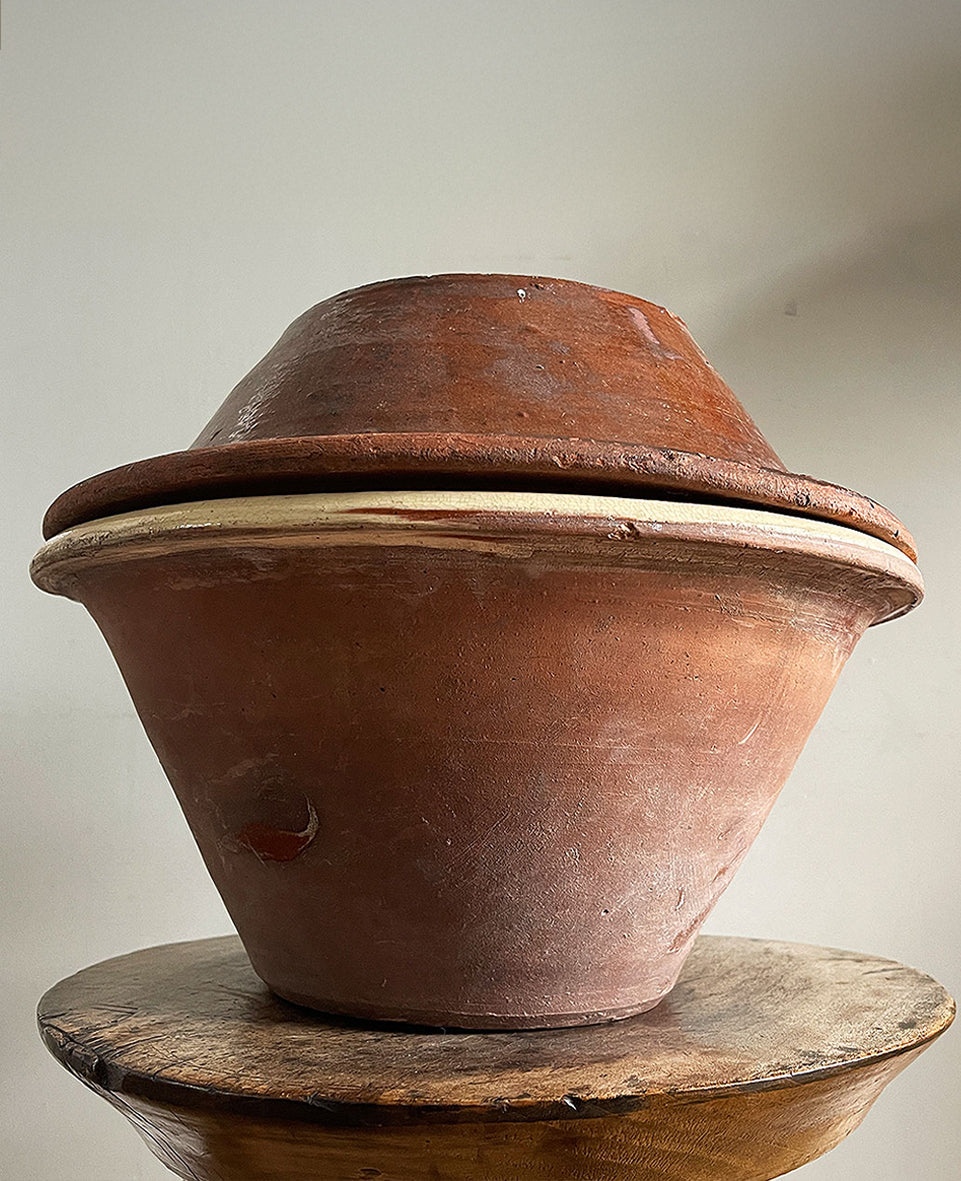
763	1057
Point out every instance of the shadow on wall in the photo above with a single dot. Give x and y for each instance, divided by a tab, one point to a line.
865	147
802	173
853	364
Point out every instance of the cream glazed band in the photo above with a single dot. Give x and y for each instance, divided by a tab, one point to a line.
601	528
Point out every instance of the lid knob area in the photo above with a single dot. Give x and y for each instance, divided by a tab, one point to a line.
506	382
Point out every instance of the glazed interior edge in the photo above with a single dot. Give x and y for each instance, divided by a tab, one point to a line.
408	461
507	523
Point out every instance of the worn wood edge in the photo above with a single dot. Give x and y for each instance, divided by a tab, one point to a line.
95	1073
99	1073
741	1137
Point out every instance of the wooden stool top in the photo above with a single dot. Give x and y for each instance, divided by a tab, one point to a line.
189	1026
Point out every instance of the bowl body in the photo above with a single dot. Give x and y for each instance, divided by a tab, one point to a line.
483	760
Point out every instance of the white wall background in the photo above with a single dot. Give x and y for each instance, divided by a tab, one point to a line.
182	177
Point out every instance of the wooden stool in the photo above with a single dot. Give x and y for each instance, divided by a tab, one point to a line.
763	1057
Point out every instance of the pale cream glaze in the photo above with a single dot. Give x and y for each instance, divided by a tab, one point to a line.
604	527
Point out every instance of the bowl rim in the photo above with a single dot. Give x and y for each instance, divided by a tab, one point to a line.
617	531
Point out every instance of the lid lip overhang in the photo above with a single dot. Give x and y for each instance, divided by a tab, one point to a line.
435	459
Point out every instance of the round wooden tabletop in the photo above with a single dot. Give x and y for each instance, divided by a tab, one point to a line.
764	1055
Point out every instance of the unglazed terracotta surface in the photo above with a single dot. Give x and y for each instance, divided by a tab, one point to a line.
480	381
475	759
468	354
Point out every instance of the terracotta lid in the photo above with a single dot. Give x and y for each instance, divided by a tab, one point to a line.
483	381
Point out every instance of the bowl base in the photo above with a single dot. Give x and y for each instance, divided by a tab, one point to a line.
440	1019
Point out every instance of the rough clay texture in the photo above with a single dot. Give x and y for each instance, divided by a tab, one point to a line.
474	779
480	381
490	354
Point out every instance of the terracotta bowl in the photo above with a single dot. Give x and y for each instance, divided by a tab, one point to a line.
506	382
475	759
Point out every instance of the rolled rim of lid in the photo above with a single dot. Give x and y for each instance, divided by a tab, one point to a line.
385	461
